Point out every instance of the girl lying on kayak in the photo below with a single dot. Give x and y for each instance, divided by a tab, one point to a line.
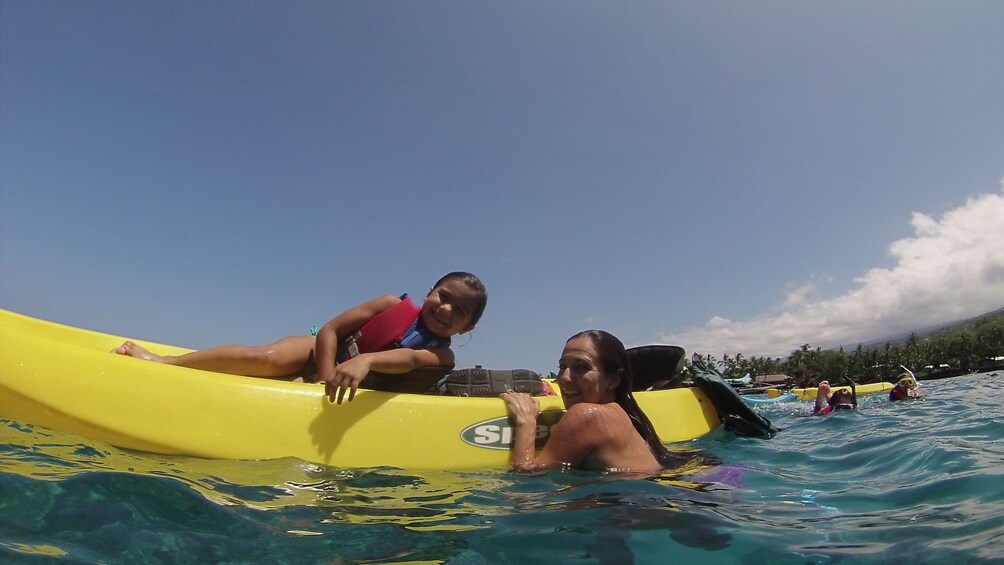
841	399
388	334
603	427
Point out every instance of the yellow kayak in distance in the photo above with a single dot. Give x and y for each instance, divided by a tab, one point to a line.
66	379
810	393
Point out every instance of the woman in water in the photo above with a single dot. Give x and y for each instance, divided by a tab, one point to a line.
827	401
905	388
603	427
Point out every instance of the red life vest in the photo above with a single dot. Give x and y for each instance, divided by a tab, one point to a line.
385	331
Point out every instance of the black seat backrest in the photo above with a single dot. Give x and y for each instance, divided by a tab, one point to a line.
418	381
656	366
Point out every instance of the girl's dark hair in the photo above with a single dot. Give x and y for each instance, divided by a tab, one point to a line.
613	358
476	285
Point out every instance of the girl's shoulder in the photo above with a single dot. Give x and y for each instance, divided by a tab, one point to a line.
384	302
359	314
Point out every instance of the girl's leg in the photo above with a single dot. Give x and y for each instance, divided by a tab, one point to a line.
284	358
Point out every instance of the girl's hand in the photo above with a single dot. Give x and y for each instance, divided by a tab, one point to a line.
522	408
345	377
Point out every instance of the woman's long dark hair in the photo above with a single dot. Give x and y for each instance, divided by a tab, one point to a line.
613	358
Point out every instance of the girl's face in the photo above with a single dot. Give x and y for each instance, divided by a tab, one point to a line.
449	308
580	376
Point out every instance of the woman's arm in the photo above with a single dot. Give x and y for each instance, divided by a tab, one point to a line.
822	395
523	410
572	440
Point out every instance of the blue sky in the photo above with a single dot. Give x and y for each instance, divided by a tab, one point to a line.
726	176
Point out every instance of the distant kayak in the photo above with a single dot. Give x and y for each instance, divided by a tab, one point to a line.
810	393
759	399
745	380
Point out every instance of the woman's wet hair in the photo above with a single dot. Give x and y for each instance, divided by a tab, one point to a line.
476	285
613	359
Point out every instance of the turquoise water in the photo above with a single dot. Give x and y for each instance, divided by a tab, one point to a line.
914	482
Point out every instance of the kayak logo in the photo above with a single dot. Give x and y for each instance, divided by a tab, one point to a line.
497	432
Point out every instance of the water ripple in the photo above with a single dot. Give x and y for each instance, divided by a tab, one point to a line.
891	482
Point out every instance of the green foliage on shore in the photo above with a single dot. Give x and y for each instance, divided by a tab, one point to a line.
973	345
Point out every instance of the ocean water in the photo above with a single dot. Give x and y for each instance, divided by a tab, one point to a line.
910	482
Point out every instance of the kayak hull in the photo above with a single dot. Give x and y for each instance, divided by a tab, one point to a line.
66	379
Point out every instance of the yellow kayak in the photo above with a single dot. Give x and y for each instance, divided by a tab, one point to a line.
810	393
66	379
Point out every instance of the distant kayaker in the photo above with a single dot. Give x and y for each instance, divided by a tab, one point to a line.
827	401
905	388
388	334
603	427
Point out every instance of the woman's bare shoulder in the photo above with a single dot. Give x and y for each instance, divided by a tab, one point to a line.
607	417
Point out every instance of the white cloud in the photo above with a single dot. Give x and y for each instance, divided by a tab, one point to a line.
952	268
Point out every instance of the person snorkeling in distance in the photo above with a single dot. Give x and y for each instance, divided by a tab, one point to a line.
388	334
906	388
603	427
828	400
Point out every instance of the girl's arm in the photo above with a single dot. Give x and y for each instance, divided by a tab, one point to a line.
342	326
348	375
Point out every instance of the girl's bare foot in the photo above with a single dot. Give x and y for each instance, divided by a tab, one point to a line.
132	350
